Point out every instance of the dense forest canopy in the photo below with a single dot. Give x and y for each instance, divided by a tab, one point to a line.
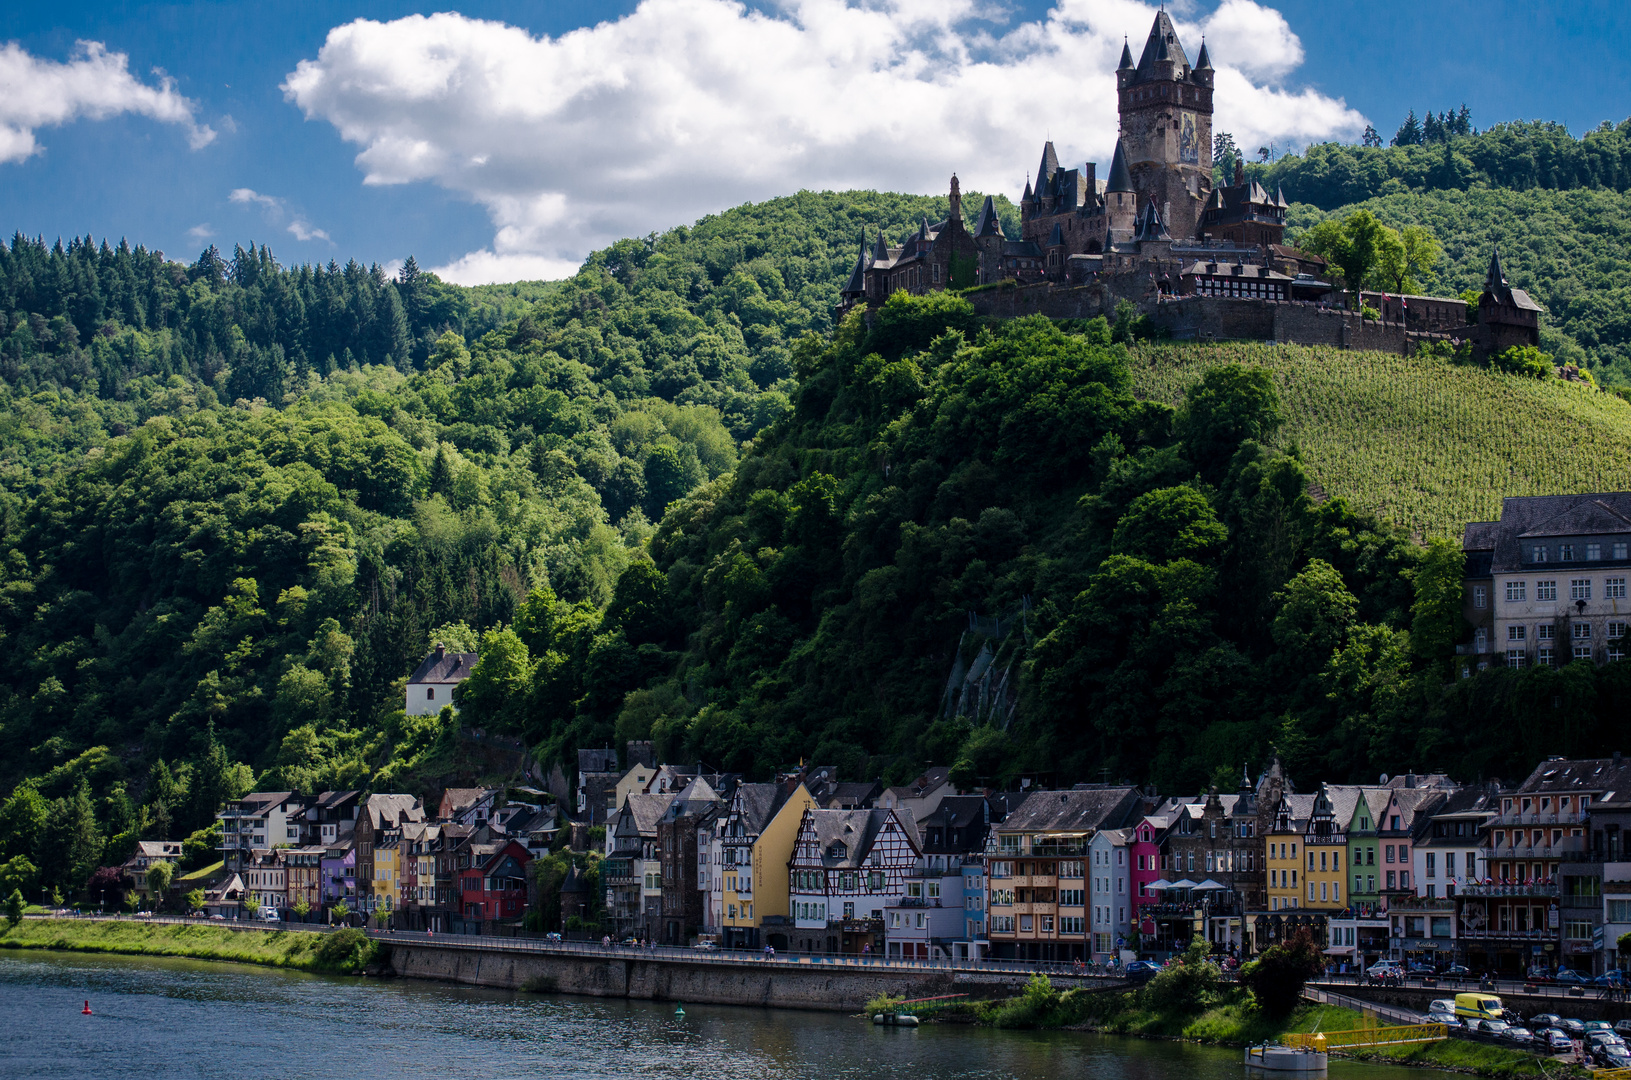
669	498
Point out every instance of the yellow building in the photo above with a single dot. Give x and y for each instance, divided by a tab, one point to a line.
1325	848
1283	851
633	783
757	836
387	871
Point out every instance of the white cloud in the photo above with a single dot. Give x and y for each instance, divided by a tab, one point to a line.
199	233
275	211
93	83
301	229
684	107
250	195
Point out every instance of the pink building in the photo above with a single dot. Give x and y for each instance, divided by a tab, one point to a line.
1149	837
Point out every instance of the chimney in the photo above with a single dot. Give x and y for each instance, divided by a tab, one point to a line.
1410	780
441	651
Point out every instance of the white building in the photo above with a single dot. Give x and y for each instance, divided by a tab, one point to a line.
1547	583
262	819
848	868
1109	899
432	682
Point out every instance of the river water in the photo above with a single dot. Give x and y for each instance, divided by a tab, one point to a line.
184	1019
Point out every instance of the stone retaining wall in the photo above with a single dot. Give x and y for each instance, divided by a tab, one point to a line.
772	984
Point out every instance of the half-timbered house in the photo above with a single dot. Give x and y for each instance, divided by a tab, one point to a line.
847	867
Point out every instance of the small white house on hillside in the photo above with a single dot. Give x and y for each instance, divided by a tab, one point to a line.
431	685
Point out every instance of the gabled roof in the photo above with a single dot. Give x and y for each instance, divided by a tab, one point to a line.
1163	44
385	811
442	666
643	812
855	830
1076	810
1582	519
1610	776
1150	226
1522	515
759	803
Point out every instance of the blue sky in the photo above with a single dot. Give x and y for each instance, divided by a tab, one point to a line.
472	143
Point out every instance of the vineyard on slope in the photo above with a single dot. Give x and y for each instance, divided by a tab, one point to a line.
1418	441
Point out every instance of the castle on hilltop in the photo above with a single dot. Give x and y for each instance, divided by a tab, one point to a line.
1155	229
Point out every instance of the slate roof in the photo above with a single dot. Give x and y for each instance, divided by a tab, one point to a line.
1203	62
1533	515
385	811
855	829
1075	810
1120	178
1049	165
462	798
1163	44
1611	776
1496	287
759	804
443	667
988	223
1126	56
1301	807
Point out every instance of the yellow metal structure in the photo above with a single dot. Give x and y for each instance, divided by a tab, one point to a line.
1377	1036
1611	1074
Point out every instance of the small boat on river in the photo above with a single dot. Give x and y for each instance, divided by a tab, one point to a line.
1285	1061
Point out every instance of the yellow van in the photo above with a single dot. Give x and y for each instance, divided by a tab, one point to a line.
1478	1007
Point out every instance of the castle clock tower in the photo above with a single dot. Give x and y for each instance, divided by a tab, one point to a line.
1166	127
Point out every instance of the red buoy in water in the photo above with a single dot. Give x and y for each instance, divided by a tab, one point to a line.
87	1010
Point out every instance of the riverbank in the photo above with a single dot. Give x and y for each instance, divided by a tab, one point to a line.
341	952
1228	1018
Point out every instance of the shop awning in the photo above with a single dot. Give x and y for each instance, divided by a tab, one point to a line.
1159	884
1183	883
1209	884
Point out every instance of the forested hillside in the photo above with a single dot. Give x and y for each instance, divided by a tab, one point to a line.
671	500
239	501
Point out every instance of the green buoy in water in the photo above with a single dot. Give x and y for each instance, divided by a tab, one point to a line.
679	1010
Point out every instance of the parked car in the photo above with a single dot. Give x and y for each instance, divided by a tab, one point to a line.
1613	1057
270	914
707	946
1141	969
218	915
1456	971
1598	1025
1558	1042
1383	967
1613	977
1572	1026
1448	1019
1623	1027
1522	1036
1419	968
1442	1005
1566	977
1545	1020
1490	1027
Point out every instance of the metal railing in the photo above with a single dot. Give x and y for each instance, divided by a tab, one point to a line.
1377	1036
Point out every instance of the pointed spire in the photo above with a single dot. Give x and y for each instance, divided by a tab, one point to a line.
1057	237
989	224
1028	194
880	253
1203	62
1120	178
1496	278
1280	196
1049	166
1126	56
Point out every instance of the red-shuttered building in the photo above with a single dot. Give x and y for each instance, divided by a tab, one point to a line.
492	881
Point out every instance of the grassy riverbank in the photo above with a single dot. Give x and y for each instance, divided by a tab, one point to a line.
1228	1018
342	952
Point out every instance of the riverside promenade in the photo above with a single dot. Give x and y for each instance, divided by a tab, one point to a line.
664	973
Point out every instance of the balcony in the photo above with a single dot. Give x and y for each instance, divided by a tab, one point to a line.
1482	934
1522	889
1516	817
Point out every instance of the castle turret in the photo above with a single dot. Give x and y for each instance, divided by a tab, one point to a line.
988	241
1166	124
1120	200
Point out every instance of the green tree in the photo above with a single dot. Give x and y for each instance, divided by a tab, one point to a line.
19	873
1230	404
1170	523
159	876
1436	623
1277	977
194	900
14	907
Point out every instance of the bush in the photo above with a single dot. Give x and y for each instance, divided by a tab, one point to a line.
1187	986
1276	978
1368	313
1034	1008
1528	361
348	950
